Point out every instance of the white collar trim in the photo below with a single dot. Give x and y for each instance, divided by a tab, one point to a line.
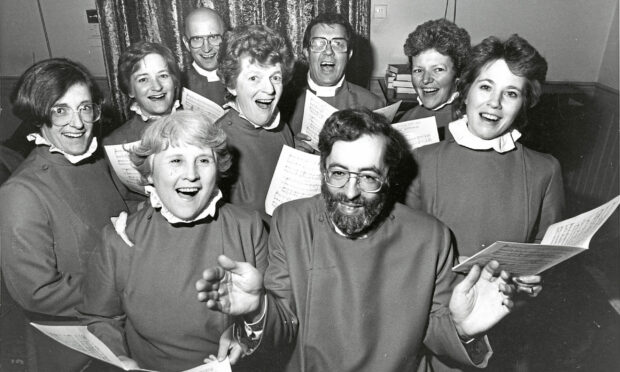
464	137
322	91
274	123
210	75
73	159
156	203
146	117
449	101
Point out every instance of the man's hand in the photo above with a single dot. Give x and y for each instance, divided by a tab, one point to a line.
530	284
229	347
233	288
481	300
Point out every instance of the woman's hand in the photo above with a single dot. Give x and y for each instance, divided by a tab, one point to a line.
302	145
529	284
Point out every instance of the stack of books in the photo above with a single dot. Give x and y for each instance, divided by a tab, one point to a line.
398	77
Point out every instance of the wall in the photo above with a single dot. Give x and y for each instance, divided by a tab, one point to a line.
609	68
570	34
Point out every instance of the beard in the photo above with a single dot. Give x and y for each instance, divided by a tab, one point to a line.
359	224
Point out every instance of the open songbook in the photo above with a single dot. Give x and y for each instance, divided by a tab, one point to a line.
316	112
79	338
195	102
118	155
562	241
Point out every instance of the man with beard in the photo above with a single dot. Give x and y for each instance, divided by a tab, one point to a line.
204	32
356	282
327	48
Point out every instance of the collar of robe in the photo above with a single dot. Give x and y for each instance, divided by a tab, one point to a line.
156	203
39	140
275	121
321	91
146	117
462	135
449	101
210	75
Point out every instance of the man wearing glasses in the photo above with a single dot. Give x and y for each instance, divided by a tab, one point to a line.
357	282
204	32
327	46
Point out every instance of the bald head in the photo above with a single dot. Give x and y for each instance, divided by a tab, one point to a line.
201	23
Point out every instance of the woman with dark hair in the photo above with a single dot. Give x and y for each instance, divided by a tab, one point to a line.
55	203
139	297
438	51
483	184
254	64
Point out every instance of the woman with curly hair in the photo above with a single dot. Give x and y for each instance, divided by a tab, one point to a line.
437	50
254	64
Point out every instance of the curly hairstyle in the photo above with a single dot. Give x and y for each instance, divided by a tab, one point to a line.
522	59
445	37
261	44
328	19
128	63
44	83
182	127
350	124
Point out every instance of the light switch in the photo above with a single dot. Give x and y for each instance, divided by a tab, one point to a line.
380	11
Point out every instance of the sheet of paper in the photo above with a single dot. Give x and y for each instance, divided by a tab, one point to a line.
419	132
195	102
579	230
213	366
389	111
297	175
316	111
118	155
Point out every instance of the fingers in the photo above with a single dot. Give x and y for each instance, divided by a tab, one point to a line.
530	285
470	280
235	354
490	269
225	345
302	137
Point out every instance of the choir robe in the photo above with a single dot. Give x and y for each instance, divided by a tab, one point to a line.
255	154
213	90
141	301
443	117
347	96
359	305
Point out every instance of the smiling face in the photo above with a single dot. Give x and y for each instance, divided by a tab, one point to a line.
184	177
75	137
433	77
152	85
352	210
326	68
494	100
202	23
257	90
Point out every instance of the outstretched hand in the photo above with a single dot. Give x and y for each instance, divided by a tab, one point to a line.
481	300
233	288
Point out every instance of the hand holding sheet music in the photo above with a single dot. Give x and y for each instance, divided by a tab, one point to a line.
118	156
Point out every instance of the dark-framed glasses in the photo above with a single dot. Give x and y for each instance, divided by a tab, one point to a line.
366	181
198	41
62	115
338	44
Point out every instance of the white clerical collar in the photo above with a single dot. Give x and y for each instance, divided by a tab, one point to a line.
274	124
210	75
156	203
322	91
146	117
449	101
73	159
465	138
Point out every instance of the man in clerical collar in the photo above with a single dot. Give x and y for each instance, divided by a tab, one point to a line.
327	47
357	282
204	32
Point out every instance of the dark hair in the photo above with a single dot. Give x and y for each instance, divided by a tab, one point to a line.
46	82
522	59
350	124
261	44
180	127
445	37
328	19
128	63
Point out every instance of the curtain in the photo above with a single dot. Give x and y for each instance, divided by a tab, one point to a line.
124	22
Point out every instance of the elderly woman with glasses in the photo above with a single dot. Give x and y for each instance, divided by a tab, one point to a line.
254	64
55	203
139	294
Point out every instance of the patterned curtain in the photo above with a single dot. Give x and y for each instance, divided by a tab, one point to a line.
124	22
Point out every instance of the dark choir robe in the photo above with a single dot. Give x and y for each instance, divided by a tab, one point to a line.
214	90
347	96
359	305
443	117
255	154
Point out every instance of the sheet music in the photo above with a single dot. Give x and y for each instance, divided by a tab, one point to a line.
316	111
118	155
195	102
389	111
297	175
419	132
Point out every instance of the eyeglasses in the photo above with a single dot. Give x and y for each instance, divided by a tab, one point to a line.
62	115
198	41
367	182
338	44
